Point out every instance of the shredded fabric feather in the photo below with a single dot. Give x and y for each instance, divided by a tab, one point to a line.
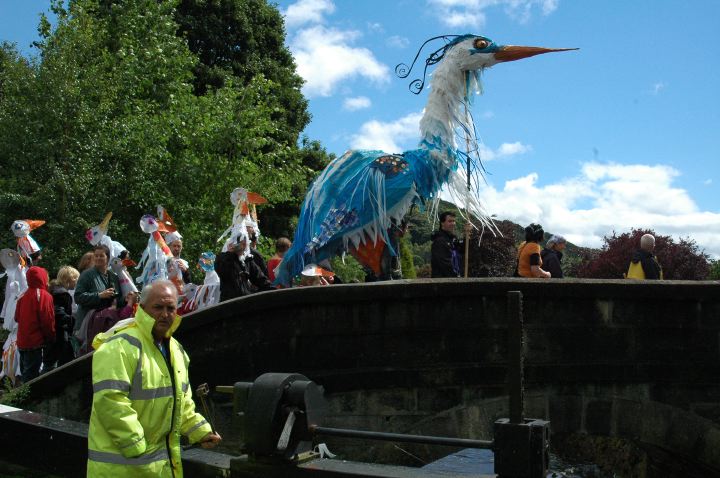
362	194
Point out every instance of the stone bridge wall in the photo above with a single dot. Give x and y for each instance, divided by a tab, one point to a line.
393	355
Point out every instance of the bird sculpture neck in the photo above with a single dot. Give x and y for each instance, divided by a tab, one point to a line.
446	108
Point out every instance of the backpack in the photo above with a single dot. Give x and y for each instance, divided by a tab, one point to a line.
635	271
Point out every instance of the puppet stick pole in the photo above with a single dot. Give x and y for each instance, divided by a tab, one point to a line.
467	198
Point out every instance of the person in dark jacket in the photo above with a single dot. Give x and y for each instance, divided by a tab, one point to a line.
644	264
61	352
238	272
447	250
552	256
97	288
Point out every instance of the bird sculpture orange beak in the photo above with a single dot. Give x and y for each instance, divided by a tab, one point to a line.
512	52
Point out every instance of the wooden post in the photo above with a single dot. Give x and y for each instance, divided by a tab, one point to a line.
467	199
515	355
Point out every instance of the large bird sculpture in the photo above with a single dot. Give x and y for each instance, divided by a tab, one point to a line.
359	197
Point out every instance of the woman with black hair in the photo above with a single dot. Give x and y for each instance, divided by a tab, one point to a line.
529	260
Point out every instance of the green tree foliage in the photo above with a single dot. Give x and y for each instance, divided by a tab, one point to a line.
348	269
407	262
13	396
679	260
240	40
493	255
107	120
714	270
280	218
16	74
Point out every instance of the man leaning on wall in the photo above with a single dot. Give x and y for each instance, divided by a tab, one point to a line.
644	265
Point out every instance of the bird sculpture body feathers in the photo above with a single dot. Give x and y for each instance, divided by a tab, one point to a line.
361	195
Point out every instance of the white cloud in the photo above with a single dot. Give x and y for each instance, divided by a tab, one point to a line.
471	13
521	10
375	27
387	137
549	6
658	87
505	150
357	103
604	198
396	136
510	149
458	19
325	58
396	41
307	11
707	182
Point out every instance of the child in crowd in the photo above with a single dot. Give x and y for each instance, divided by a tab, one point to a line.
281	247
36	322
62	289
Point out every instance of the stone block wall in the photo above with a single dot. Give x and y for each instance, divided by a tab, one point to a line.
391	355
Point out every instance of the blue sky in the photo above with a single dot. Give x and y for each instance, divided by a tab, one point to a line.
623	133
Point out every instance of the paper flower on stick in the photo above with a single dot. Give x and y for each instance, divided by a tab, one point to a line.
26	245
14	286
244	213
95	234
98	235
244	200
156	254
166	220
208	293
119	267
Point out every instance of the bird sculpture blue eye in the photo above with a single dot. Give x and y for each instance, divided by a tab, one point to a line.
481	43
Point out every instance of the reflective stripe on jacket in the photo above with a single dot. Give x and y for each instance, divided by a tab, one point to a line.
139	410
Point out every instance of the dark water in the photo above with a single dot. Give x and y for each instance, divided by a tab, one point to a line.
9	470
469	461
473	461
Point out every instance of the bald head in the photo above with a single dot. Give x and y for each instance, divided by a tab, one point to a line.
161	287
159	301
647	242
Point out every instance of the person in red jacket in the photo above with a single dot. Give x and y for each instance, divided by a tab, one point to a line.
35	316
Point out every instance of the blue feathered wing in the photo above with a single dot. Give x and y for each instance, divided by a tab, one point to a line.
356	199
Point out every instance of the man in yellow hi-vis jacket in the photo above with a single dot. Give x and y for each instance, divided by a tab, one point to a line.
142	400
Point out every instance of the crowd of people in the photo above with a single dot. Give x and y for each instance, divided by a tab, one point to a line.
58	319
142	403
533	261
97	306
51	322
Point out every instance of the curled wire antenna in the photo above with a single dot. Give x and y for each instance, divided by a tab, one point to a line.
402	70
